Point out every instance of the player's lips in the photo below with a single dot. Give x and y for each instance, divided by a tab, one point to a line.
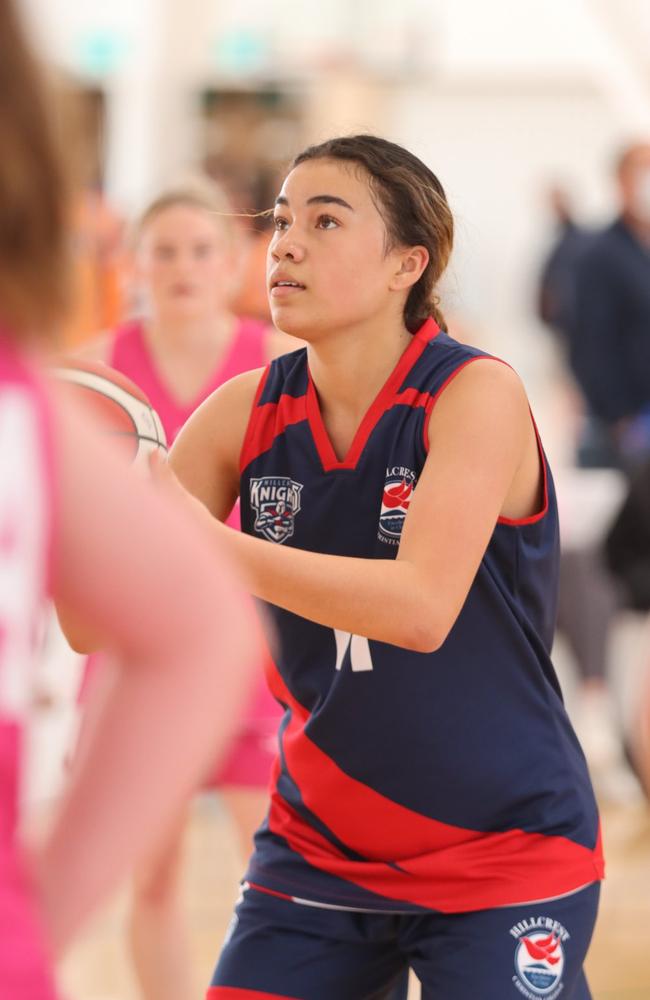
182	289
282	285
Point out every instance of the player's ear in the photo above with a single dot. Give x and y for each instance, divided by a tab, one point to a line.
411	263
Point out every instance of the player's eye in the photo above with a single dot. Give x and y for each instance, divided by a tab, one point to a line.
280	223
164	251
202	250
326	222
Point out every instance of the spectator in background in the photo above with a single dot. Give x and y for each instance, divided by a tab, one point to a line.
587	601
556	297
97	267
627	553
610	324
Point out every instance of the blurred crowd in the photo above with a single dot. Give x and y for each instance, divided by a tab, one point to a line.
594	295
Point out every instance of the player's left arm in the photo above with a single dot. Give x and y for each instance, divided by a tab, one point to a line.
483	462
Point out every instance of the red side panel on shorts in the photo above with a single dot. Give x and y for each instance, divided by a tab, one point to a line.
232	993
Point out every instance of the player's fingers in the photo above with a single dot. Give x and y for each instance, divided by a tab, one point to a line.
157	462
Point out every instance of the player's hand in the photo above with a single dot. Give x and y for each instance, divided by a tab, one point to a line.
163	476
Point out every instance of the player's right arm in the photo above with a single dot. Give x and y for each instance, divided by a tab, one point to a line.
141	571
205	455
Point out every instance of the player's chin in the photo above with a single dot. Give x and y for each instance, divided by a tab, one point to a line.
186	306
293	322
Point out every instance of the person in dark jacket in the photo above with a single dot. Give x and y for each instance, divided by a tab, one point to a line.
610	326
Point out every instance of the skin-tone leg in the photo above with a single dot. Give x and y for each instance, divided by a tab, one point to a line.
157	930
247	806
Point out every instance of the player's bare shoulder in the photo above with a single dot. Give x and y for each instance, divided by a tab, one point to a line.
489	391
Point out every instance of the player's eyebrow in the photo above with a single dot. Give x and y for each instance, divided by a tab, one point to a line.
318	199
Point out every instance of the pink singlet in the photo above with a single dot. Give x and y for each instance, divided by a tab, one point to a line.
250	757
25	529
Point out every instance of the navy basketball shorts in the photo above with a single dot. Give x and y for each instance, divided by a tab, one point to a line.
280	950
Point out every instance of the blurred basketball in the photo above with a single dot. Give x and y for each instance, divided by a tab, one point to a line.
119	405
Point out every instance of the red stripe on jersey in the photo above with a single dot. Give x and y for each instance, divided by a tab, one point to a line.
413	397
234	993
441	866
268	421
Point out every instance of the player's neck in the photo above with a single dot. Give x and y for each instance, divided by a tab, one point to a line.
349	367
187	335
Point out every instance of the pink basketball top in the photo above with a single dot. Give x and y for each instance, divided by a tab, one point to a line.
25	528
131	356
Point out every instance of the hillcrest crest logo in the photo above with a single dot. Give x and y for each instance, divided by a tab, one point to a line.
395	501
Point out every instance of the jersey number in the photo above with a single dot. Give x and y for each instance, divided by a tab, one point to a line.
359	647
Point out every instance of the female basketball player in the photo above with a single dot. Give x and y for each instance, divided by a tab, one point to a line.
71	519
431	805
187	255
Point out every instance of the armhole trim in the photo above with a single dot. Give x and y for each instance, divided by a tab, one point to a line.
512	522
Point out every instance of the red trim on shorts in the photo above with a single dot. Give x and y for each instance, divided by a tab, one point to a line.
382	402
269	892
435	865
234	993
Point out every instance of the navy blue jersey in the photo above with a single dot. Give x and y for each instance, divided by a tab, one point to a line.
446	781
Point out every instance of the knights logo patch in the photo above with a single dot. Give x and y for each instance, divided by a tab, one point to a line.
275	501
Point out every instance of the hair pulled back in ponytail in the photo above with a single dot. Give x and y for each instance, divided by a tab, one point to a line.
412	203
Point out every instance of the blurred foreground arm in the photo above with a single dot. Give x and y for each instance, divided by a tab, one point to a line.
143	575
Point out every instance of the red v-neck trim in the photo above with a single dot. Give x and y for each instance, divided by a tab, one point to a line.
377	408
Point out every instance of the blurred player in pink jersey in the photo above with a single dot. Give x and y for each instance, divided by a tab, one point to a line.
187	264
74	524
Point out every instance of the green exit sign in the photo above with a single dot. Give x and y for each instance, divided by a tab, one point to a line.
101	53
240	51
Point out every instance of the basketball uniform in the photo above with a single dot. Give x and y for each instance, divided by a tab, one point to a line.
411	789
249	759
25	510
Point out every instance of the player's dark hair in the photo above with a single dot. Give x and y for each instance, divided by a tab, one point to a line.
33	258
412	203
